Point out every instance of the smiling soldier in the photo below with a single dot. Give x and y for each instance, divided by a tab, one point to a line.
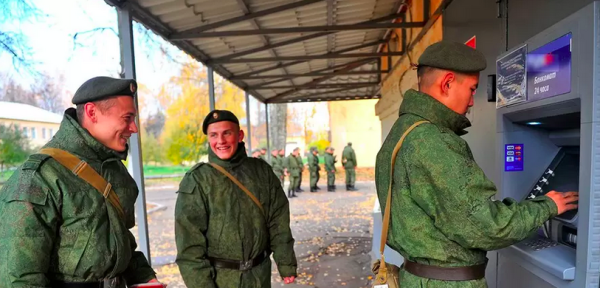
67	211
231	214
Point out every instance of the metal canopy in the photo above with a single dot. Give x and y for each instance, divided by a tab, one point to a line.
312	50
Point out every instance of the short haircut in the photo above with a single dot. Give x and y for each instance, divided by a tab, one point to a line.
103	105
424	76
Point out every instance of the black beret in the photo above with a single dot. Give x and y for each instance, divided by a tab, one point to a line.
218	116
99	88
453	56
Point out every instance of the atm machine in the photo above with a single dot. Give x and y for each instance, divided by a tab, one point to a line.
548	133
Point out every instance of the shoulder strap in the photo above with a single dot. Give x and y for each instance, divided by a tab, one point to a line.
234	180
87	173
388	204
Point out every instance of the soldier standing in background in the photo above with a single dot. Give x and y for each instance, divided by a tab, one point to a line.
301	164
349	162
313	168
263	154
330	168
277	164
294	171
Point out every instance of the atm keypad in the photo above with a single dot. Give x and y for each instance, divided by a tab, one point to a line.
540	243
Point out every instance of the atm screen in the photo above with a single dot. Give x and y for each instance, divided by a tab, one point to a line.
565	179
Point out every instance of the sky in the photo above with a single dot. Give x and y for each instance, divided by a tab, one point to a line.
51	39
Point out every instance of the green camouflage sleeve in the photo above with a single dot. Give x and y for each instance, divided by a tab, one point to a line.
27	234
282	242
191	224
138	271
450	187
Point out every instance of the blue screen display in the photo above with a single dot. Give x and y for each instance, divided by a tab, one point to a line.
549	69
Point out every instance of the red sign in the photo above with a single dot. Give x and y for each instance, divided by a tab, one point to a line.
472	42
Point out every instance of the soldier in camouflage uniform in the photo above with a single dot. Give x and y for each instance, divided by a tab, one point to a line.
277	164
442	212
294	171
313	168
59	231
301	166
330	168
224	239
349	162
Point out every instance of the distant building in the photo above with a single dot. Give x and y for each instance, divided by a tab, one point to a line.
36	123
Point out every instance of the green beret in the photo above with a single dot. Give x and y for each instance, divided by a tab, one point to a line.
99	88
453	56
218	116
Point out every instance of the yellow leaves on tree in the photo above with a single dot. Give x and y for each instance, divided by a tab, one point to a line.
187	99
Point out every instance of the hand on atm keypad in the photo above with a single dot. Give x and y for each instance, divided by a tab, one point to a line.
564	200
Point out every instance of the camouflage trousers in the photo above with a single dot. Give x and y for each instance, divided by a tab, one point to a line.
294	183
330	179
350	176
314	178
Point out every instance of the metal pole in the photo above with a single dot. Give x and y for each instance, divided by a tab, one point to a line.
268	141
211	88
135	161
248	121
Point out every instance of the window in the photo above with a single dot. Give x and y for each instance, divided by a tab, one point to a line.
43	133
32	132
51	132
25	132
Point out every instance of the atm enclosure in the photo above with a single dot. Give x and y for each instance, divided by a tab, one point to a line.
556	132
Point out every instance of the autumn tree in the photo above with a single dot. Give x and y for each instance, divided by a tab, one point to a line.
12	40
183	137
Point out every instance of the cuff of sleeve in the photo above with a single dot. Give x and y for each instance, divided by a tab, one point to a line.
287	271
552	208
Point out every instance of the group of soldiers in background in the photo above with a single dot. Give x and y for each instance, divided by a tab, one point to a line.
293	166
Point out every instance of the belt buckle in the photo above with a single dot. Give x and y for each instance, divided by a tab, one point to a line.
246	265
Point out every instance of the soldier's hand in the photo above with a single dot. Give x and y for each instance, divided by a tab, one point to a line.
289	280
564	201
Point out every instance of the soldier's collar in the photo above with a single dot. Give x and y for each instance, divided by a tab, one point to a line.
237	159
427	107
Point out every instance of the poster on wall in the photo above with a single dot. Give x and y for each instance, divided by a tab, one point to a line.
511	73
549	69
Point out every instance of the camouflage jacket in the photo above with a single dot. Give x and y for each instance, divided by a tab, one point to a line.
215	218
313	162
55	226
277	164
293	166
300	162
349	158
442	208
329	162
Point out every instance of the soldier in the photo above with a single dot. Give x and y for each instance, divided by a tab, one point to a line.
314	168
443	217
277	164
231	213
349	161
63	224
298	158
284	164
294	171
330	168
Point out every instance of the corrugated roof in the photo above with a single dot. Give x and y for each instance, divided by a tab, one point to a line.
246	58
25	112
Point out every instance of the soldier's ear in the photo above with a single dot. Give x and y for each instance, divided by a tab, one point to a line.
241	136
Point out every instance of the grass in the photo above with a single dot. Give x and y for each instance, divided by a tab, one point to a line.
150	170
